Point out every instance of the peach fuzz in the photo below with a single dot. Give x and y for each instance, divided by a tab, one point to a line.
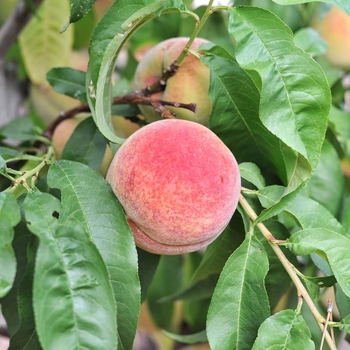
190	83
178	184
334	27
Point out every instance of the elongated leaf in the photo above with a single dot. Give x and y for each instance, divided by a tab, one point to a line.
87	145
147	264
102	216
239	303
7	153
219	251
169	265
310	41
345	324
328	244
199	337
79	8
328	174
310	214
21	129
284	330
26	337
9	217
343	4
10	308
251	173
73	300
239	115
68	81
114	29
295	97
42	45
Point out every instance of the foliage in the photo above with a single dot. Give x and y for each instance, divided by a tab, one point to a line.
71	275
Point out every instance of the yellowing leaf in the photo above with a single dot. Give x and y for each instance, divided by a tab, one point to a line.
42	45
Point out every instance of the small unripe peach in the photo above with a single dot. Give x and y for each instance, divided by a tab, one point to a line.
178	184
190	83
334	27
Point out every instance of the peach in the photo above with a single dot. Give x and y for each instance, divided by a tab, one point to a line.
178	184
190	83
334	27
62	134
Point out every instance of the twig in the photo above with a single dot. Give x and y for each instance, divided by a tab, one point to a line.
329	318
160	84
290	270
14	25
133	98
33	173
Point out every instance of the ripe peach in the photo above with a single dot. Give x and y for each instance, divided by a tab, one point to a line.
334	27
62	134
190	83
178	184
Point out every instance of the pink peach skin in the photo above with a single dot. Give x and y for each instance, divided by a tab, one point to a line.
178	184
334	27
190	83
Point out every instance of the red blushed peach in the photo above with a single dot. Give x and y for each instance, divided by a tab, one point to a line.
334	27
178	184
190	83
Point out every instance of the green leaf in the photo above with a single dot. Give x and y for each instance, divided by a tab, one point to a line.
345	324
8	153
3	167
295	97
321	282
339	122
42	45
310	40
284	330
198	290
79	8
68	81
328	244
86	145
21	129
235	100
147	264
9	217
199	337
239	303
310	214
251	173
111	33
73	300
219	251
101	214
9	302
162	312
328	174
343	4
26	336
345	220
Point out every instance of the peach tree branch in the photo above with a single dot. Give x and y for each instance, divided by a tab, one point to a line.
302	292
133	98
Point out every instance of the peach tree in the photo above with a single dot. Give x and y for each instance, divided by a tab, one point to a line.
278	276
